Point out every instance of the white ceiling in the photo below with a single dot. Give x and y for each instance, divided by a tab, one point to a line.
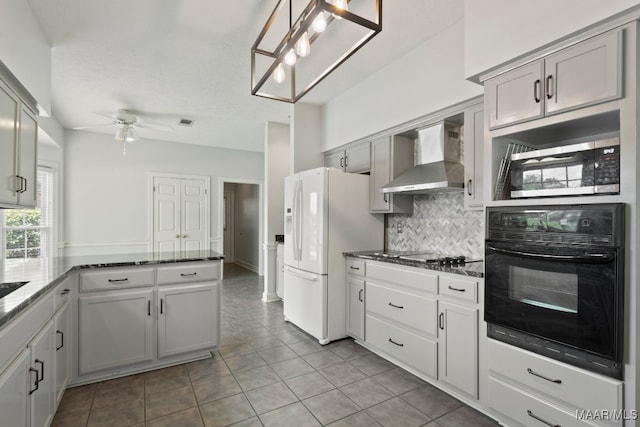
172	59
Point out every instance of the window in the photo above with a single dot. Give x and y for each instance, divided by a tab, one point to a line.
29	233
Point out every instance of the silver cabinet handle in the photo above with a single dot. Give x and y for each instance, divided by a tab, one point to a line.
548	84
360	295
401	307
469	187
542	420
456	289
536	91
61	340
551	380
396	343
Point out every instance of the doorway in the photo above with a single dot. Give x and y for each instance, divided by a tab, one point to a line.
240	222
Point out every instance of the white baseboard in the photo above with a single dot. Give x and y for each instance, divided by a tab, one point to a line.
246	265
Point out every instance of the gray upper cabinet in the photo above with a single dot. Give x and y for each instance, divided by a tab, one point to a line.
354	158
473	157
17	151
390	156
584	74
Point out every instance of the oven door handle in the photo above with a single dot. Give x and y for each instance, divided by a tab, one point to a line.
592	257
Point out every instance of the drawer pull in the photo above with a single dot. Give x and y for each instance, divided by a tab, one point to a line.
396	306
188	274
149	308
534	373
61	340
118	280
542	420
36	383
354	268
161	306
457	289
360	292
396	343
441	321
65	292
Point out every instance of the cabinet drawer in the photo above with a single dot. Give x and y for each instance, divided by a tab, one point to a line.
116	279
405	276
572	385
355	267
417	352
412	310
527	409
463	289
188	273
61	293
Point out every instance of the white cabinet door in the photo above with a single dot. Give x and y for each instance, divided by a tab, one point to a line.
9	115
15	385
355	307
584	74
358	158
115	329
61	351
515	96
473	157
335	160
188	318
41	361
458	349
27	142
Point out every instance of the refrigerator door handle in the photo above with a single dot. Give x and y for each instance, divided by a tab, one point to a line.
311	277
299	223
294	222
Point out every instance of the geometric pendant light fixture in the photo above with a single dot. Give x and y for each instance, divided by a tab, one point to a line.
290	57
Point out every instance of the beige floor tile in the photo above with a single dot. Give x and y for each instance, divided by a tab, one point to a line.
118	414
187	418
157	405
226	411
216	388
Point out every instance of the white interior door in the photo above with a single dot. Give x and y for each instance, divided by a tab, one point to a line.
193	215
180	214
166	215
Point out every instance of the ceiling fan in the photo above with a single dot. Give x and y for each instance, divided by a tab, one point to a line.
126	121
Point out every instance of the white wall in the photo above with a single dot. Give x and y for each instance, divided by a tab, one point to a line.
497	31
306	137
25	50
425	80
246	249
107	194
277	168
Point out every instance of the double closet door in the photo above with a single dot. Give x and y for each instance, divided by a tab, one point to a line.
180	214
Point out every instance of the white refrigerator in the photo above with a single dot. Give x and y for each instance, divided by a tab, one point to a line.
326	213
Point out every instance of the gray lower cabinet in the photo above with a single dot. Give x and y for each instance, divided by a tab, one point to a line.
355	298
188	318
390	156
42	377
584	74
115	329
14	391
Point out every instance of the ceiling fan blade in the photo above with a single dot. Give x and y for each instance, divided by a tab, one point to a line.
154	126
92	126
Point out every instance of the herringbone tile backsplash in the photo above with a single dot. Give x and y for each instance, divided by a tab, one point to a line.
439	224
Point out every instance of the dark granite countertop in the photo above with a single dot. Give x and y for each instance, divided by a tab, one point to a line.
472	269
43	274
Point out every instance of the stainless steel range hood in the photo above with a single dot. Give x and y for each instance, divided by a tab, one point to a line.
438	166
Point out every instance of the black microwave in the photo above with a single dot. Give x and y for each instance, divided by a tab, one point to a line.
579	169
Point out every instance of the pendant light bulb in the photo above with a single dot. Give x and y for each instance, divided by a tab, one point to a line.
303	47
278	73
290	57
341	4
320	23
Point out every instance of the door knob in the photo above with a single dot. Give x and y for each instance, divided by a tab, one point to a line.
184	236
177	236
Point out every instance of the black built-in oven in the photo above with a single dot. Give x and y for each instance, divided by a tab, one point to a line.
554	282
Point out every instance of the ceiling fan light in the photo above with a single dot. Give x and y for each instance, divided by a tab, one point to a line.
129	135
120	134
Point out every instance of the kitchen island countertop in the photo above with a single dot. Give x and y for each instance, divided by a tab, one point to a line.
472	269
43	274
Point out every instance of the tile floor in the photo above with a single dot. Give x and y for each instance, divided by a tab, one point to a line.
267	373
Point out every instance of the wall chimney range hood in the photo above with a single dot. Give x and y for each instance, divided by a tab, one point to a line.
438	166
